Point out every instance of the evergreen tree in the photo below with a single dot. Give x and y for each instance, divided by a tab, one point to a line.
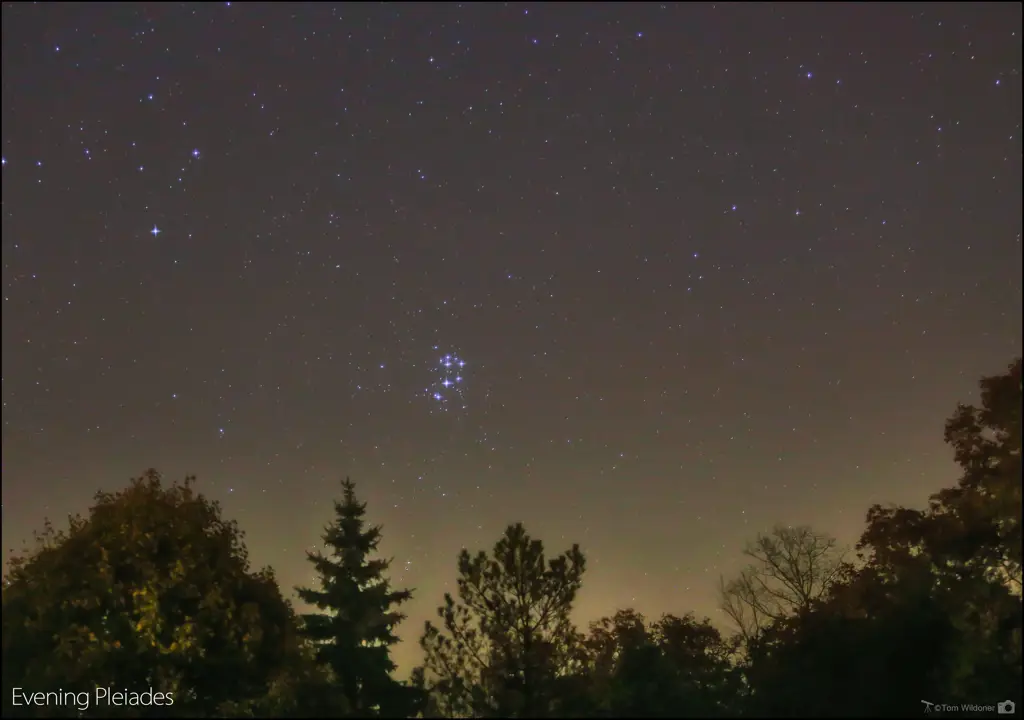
507	647
354	630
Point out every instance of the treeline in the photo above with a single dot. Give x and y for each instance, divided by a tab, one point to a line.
154	591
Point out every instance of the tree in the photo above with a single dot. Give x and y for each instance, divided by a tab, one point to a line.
708	683
354	632
507	644
935	608
792	567
987	443
975	526
152	591
862	652
306	689
964	549
675	667
608	641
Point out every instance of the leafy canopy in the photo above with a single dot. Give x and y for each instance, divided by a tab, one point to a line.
152	590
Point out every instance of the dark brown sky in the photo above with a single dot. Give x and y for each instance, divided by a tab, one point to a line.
710	267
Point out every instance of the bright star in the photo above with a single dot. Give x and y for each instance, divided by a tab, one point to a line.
155	231
448	384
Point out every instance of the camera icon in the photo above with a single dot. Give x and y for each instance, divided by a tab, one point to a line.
1007	707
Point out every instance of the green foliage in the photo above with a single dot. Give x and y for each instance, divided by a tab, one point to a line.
507	644
354	631
152	590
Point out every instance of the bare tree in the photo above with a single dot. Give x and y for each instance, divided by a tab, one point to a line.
791	568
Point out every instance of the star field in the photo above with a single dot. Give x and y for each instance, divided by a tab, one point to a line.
646	277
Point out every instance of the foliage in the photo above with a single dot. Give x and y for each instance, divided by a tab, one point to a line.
934	610
973	528
354	631
675	667
153	590
305	690
507	644
987	500
964	549
877	662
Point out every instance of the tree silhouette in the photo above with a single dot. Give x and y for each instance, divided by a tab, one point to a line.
791	568
152	591
934	610
675	667
869	654
963	550
506	645
987	443
354	631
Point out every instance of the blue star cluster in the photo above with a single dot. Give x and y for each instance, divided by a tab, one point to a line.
448	387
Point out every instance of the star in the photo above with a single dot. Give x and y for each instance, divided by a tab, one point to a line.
559	203
448	385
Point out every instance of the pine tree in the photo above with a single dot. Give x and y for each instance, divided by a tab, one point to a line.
507	646
354	630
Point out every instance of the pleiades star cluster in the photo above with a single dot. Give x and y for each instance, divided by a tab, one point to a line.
646	277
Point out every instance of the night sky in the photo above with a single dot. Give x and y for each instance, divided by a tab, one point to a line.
650	278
